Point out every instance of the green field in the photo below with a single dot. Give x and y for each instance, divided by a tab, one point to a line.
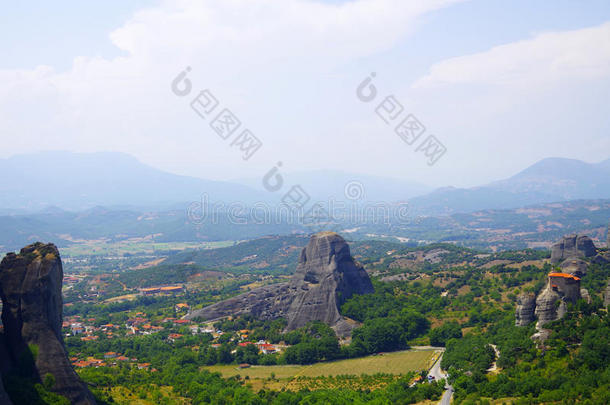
389	363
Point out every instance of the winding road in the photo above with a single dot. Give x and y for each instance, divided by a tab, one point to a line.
438	375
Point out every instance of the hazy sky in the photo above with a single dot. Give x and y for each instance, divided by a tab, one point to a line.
500	88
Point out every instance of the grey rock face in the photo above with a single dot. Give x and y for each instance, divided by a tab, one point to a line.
601	258
526	305
547	306
325	277
574	266
4	399
30	288
572	246
551	303
264	302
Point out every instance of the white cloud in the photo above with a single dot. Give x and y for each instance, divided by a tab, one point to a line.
506	108
261	57
545	58
289	68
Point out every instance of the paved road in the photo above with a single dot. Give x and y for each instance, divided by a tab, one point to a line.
439	375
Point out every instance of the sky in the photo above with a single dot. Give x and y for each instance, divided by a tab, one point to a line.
499	85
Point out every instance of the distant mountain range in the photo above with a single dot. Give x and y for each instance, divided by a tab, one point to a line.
549	180
79	181
325	185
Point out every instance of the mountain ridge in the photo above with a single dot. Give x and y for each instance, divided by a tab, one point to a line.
548	180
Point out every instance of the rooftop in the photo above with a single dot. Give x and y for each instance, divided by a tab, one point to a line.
564	275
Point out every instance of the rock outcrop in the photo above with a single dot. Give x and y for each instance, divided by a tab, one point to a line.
561	287
551	303
572	246
4	367
30	288
601	258
526	306
547	306
325	277
574	266
4	399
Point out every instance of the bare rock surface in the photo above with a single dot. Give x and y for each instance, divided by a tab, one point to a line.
325	277
526	305
30	288
572	246
4	399
547	306
574	266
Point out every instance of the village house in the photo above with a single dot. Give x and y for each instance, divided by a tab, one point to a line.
173	337
76	328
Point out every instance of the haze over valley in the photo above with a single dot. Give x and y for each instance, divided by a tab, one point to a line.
305	202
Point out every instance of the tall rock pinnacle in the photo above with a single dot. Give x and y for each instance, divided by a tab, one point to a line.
325	277
30	288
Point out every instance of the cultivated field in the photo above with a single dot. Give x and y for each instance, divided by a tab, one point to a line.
389	363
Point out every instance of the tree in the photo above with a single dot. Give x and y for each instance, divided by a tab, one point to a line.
449	330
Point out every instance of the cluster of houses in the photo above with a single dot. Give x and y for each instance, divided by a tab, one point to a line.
264	347
111	359
138	324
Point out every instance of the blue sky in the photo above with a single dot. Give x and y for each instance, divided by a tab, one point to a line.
89	76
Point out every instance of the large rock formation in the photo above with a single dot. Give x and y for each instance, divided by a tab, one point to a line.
4	399
562	287
30	288
325	277
526	305
4	367
574	266
547	306
551	303
572	246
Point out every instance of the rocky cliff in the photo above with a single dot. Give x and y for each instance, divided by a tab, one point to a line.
561	287
526	305
572	246
30	288
574	266
547	306
325	277
4	399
